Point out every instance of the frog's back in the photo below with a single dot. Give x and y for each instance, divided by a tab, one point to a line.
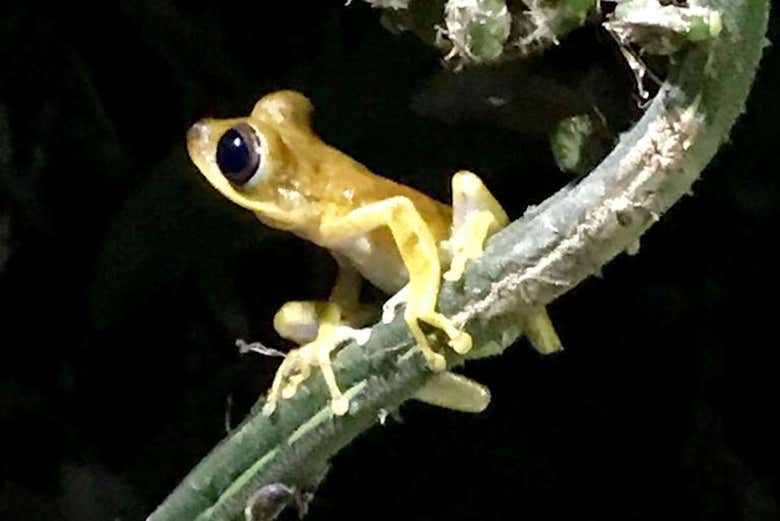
324	175
321	179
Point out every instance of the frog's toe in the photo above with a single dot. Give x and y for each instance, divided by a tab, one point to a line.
455	273
462	343
436	362
289	390
269	407
339	405
288	376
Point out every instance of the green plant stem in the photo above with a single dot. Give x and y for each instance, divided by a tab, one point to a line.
534	260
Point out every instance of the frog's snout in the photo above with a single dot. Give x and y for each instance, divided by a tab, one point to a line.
199	144
197	138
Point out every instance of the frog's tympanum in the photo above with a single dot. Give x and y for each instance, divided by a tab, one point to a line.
400	240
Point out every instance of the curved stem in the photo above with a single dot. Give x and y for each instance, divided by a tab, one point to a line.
528	264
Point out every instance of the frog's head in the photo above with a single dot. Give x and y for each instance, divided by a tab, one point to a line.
250	160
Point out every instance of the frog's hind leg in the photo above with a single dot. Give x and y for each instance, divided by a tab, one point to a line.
418	250
476	215
299	320
319	327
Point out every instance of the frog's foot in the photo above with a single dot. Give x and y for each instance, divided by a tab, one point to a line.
296	368
460	341
475	216
467	243
391	305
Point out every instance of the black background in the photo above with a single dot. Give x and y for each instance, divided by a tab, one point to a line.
125	278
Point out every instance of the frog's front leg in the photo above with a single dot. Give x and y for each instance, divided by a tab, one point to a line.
419	253
476	215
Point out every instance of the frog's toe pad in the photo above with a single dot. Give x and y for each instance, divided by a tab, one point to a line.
462	343
269	407
340	405
453	274
288	391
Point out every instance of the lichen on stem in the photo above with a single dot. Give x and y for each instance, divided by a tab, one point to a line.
537	258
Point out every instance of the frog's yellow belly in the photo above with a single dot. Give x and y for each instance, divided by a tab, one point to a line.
376	257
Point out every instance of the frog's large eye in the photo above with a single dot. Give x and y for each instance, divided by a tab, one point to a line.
239	153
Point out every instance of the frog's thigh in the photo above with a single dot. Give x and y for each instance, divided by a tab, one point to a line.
453	391
476	215
299	320
420	256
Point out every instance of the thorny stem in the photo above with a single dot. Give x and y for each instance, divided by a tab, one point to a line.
479	32
536	259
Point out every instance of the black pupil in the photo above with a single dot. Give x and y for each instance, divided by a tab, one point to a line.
237	155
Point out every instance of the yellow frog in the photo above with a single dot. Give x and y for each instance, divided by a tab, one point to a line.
273	164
